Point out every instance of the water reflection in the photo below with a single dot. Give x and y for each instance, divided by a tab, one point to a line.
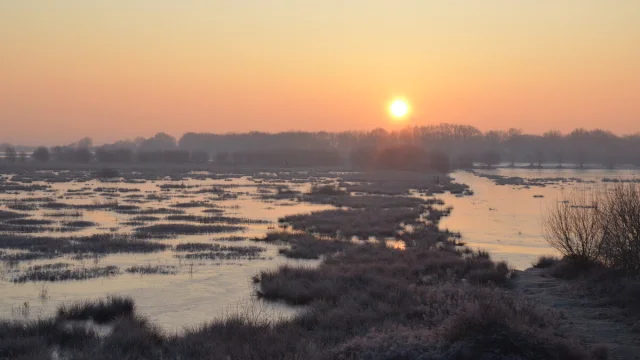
506	220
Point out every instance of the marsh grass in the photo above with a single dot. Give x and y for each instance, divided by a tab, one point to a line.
186	229
152	269
196	247
361	223
365	201
64	214
62	273
214	219
29	221
300	245
101	311
219	252
95	244
11	215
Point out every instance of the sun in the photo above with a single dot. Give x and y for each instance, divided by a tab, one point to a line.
399	109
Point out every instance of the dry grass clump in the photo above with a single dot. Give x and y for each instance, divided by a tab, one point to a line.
100	311
301	245
362	222
366	201
95	244
9	215
53	274
220	252
545	261
214	219
152	269
373	268
187	229
327	190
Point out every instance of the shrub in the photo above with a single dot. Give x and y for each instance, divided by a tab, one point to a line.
41	154
620	213
101	311
574	227
545	261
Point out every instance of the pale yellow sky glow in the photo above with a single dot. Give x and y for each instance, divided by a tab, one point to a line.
118	69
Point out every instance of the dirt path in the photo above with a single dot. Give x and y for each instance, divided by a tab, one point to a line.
580	317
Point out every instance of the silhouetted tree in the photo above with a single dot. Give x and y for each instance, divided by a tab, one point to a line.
175	156
222	157
161	141
491	158
41	154
83	155
199	157
150	156
439	161
10	154
540	157
106	155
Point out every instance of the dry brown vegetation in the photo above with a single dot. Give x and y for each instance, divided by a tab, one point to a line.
598	234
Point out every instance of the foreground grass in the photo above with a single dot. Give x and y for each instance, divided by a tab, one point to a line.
363	302
609	287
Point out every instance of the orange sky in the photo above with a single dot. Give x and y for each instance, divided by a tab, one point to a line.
122	68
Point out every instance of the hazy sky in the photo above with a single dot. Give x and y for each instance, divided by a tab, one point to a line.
120	68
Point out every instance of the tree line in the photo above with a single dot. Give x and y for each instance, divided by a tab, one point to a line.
464	145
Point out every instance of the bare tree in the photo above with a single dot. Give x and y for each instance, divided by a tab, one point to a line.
573	226
621	219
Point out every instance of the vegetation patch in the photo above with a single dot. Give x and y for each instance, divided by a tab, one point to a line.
62	273
215	219
187	229
94	244
222	252
101	311
152	269
9	215
347	223
301	245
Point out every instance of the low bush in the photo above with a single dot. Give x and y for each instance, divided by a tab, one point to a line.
100	311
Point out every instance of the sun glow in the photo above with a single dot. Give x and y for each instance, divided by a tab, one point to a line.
399	109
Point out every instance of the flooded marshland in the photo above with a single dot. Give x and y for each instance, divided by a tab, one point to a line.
182	248
186	246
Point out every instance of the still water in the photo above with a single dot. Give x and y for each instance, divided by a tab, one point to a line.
506	219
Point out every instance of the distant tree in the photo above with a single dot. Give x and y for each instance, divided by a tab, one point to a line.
85	142
161	141
222	157
175	156
580	158
10	154
106	155
464	161
363	158
150	156
559	158
83	155
22	157
439	161
199	157
41	154
540	158
402	158
491	158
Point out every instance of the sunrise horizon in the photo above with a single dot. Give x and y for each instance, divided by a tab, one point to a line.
119	70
